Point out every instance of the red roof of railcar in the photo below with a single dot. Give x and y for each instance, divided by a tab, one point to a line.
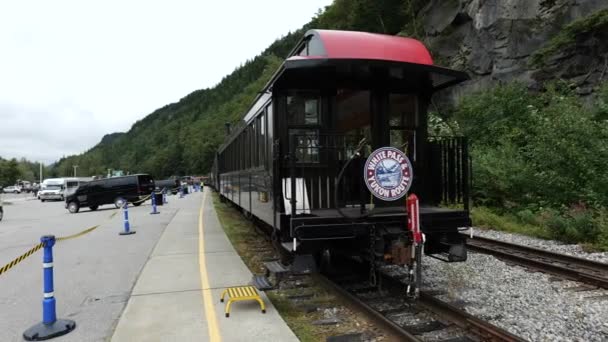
364	45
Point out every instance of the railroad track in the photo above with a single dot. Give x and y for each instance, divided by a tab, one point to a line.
426	319
561	265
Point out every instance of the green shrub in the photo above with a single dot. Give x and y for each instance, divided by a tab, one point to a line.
527	216
529	149
539	161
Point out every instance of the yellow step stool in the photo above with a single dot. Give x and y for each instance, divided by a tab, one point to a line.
241	293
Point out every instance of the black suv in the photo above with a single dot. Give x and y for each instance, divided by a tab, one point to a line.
167	184
110	190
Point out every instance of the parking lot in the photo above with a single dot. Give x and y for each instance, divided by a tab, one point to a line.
18	197
94	273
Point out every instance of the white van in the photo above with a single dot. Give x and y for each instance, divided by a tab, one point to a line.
60	188
52	189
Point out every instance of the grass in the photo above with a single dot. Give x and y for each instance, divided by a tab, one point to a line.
248	241
547	226
486	218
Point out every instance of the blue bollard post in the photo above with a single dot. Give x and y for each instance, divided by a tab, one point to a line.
154	211
181	191
50	327
127	227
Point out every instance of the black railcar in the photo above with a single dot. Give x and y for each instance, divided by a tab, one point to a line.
296	160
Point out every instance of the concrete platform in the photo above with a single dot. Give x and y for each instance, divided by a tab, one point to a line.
176	297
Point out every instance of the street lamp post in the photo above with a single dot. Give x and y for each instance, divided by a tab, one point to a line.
75	167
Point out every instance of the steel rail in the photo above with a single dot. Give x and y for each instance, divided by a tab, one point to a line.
486	330
470	324
467	322
379	318
565	266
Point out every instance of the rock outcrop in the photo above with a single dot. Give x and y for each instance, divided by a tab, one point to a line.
530	41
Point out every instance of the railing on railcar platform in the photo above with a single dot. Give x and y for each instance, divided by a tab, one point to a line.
450	169
315	160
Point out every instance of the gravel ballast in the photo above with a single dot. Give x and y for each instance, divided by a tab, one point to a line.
532	305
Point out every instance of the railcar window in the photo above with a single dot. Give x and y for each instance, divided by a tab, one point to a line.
249	146
239	144
262	140
353	118
254	149
307	145
258	133
303	109
403	121
269	135
403	111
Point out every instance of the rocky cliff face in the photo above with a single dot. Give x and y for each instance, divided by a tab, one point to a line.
530	41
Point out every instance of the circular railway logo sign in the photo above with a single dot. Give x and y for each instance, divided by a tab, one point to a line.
388	173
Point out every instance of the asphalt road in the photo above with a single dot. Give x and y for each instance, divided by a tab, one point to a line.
10	197
94	273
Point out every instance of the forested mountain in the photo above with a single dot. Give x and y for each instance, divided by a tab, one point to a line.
181	138
536	108
495	41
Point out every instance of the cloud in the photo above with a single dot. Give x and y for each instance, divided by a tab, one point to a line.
73	71
45	134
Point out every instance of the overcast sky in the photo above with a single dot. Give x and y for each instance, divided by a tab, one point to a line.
72	71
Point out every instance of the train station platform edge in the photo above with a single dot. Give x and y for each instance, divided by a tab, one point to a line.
177	294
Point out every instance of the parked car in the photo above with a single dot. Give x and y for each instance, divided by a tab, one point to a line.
12	189
24	185
169	184
114	190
